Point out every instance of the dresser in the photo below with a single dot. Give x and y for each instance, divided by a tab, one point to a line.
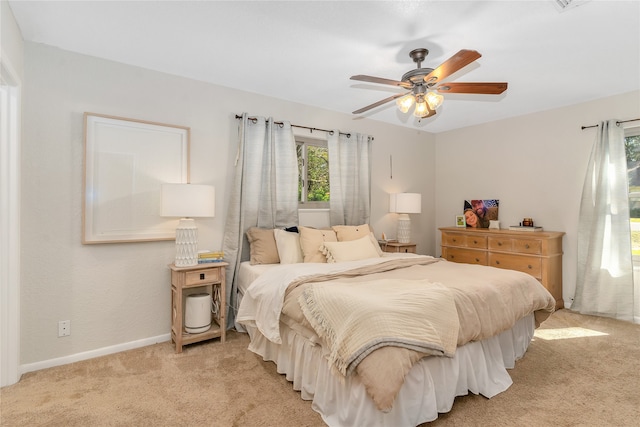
538	253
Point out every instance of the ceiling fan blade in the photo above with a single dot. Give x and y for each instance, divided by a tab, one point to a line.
371	79
451	65
376	104
480	88
430	113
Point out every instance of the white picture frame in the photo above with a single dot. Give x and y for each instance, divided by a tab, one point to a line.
461	221
125	163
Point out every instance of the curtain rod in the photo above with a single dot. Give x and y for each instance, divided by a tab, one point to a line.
617	123
330	132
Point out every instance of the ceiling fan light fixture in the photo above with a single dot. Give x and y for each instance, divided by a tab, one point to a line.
405	103
421	108
434	100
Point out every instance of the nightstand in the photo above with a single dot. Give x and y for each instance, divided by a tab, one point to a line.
398	247
191	280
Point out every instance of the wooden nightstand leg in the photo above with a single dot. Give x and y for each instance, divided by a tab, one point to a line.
176	312
218	298
223	305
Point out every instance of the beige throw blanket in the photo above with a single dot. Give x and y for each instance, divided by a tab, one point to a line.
357	319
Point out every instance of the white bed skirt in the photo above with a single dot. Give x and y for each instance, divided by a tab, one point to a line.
430	386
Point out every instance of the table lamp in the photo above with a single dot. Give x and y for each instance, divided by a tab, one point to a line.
404	204
187	201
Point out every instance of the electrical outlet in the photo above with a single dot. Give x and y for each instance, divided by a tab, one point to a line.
64	328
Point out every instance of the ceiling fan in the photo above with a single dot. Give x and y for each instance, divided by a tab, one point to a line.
421	81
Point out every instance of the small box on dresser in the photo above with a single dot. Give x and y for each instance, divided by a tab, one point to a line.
538	254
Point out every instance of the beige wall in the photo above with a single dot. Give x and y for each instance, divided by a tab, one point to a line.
534	164
11	43
119	293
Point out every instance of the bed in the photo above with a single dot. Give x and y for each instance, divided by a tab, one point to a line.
389	339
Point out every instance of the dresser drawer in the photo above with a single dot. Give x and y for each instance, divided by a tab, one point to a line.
454	239
527	246
479	242
530	265
466	256
204	276
462	241
406	248
500	243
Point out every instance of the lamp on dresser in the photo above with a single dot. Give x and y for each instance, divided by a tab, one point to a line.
405	204
187	201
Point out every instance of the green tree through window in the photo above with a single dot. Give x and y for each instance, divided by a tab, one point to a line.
317	174
632	149
313	173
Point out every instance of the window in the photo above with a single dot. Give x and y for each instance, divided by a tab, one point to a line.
313	173
632	148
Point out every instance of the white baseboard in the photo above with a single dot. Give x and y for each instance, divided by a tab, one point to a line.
93	353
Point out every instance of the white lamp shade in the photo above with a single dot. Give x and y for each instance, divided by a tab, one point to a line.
405	203
188	200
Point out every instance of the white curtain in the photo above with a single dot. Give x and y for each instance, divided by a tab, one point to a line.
264	192
605	268
349	178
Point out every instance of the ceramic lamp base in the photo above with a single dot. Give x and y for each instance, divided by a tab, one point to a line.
404	229
186	243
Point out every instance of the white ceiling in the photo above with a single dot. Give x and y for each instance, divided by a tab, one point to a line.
305	51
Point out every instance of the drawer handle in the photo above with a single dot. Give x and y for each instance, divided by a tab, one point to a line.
477	260
201	276
499	243
453	240
451	256
526	246
497	262
475	242
530	267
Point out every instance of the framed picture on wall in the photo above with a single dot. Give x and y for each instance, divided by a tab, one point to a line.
126	162
479	213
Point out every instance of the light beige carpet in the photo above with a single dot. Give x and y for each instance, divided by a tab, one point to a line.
579	371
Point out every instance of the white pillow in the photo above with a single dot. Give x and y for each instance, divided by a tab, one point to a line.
375	244
288	244
350	250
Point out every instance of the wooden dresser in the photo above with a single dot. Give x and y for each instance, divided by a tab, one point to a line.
538	253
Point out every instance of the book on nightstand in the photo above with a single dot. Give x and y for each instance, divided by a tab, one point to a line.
524	228
210	256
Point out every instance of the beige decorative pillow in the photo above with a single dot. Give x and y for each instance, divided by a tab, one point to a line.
351	232
375	244
351	250
310	241
262	246
288	244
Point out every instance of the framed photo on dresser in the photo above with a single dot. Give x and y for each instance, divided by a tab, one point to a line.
478	213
